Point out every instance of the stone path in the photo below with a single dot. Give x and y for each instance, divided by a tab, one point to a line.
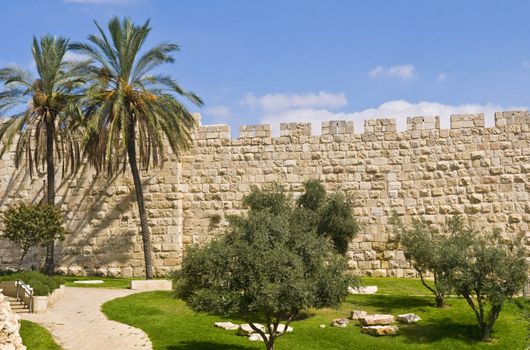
77	323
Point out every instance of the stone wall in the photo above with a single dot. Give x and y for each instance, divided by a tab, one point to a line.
425	171
9	327
102	219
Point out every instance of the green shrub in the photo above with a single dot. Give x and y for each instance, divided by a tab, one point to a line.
330	213
31	225
494	271
434	251
269	267
42	284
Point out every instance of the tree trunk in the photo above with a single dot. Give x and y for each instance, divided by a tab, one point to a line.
486	332
440	302
270	345
131	153
50	195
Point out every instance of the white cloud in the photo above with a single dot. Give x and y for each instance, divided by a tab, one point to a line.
71	56
441	77
398	109
282	101
406	71
218	112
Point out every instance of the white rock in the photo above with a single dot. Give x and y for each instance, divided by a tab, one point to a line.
281	328
362	290
245	329
257	337
89	282
340	322
408	318
379	330
375	320
322	326
227	326
356	314
9	327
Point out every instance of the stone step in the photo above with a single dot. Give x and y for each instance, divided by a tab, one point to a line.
17	306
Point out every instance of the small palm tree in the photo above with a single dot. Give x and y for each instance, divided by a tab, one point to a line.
131	109
39	115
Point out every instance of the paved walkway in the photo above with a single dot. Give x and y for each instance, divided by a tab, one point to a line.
77	323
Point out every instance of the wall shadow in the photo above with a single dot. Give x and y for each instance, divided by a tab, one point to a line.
90	210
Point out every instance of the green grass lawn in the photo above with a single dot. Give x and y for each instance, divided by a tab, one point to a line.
109	282
172	325
36	337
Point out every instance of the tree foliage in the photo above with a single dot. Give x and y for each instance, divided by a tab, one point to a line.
132	110
435	251
52	95
493	271
332	214
268	267
42	115
31	225
481	267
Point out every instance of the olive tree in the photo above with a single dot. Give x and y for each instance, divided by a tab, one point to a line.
31	225
331	213
493	272
268	267
434	251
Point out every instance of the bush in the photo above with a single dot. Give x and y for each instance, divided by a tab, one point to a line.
42	284
434	251
492	272
331	214
30	225
268	267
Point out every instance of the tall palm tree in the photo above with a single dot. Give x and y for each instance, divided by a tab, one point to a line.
130	108
39	111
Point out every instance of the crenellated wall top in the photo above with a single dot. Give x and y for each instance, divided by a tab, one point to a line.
371	126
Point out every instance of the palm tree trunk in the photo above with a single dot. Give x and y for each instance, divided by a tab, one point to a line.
50	193
131	153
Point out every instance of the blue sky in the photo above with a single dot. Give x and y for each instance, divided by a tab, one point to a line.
273	61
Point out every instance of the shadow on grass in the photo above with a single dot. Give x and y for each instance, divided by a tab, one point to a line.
206	345
421	333
388	303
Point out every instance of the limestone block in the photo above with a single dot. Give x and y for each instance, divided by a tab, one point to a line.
340	323
376	319
356	314
228	326
362	290
379	330
408	318
9	327
245	329
151	285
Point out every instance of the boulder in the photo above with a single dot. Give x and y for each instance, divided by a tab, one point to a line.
408	318
256	337
281	328
245	329
376	320
227	326
9	327
362	290
356	314
340	322
379	330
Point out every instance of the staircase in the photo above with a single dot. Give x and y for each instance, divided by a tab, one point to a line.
17	307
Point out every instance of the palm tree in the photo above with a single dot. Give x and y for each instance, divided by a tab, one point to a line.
131	109
39	111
